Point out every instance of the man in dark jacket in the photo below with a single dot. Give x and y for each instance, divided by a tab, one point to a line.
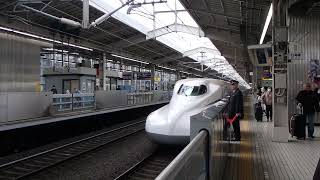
235	108
309	102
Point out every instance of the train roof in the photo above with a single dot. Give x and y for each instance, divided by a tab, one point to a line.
201	81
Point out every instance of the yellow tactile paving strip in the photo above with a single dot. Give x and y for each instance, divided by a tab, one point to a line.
240	162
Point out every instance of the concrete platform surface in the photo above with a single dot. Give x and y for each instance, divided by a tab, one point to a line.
257	157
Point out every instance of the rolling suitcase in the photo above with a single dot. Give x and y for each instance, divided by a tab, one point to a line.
297	125
258	112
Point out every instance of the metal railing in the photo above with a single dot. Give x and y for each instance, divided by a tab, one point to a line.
139	98
72	102
205	156
83	101
192	162
148	97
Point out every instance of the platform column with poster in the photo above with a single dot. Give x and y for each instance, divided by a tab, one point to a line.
280	60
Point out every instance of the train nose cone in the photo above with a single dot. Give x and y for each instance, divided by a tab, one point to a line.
157	122
162	128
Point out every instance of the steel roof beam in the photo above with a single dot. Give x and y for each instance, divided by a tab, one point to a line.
168	59
200	11
209	9
223	28
85	14
226	41
129	41
201	49
175	28
224	12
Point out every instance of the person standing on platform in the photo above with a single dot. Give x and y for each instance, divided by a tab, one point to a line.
267	100
263	91
235	108
54	90
259	94
307	98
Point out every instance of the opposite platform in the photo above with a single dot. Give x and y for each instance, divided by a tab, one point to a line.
50	119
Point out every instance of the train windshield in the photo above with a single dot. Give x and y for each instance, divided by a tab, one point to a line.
192	90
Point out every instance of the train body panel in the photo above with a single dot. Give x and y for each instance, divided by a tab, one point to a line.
171	123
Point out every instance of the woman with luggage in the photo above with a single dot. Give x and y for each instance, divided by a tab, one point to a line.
308	100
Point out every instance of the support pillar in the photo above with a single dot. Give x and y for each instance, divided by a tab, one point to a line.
104	67
153	72
178	75
280	60
85	14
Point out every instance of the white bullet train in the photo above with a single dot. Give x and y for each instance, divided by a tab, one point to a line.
171	123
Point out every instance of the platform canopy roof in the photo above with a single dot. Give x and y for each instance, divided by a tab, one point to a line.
170	23
205	37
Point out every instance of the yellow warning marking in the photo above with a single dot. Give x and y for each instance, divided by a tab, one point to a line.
245	164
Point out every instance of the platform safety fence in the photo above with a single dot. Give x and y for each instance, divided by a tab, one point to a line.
205	157
148	97
72	102
21	106
62	103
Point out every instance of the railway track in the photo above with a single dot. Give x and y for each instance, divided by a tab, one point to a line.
30	165
150	167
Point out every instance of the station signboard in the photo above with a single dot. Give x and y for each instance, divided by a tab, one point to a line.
143	75
127	75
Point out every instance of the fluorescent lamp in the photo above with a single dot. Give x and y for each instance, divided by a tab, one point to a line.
56	50
167	68
266	25
114	55
42	38
185	72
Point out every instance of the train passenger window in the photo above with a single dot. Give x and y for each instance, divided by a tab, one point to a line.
192	90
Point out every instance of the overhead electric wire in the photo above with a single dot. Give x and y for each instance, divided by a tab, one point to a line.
163	24
180	18
112	34
90	40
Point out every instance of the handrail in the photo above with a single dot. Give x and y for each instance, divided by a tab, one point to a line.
198	160
71	102
178	163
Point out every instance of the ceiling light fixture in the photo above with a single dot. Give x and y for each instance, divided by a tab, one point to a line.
42	38
167	68
130	59
266	25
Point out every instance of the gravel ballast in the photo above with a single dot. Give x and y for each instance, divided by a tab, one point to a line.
105	163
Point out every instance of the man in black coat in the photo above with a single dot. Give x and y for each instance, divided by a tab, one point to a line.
310	104
235	108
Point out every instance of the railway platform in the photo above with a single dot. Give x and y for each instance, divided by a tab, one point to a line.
257	156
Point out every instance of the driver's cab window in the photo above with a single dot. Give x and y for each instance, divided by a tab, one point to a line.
192	90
